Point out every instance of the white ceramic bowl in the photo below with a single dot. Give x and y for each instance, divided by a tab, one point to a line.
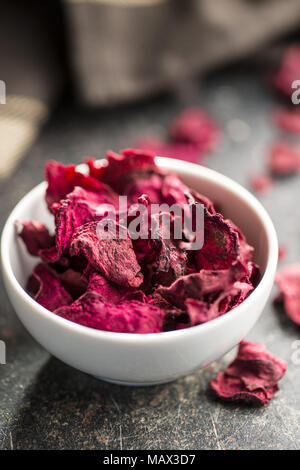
138	359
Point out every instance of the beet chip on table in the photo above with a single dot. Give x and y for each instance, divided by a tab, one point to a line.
253	376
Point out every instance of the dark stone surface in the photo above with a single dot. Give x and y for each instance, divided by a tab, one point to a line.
45	404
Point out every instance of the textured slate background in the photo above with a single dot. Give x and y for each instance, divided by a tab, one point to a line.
45	404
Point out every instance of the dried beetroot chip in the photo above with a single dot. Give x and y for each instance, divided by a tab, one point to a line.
63	179
260	183
47	289
171	259
283	160
149	184
138	295
245	250
114	258
181	151
254	274
165	188
234	296
200	311
200	285
170	263
174	318
60	181
192	134
126	317
72	281
193	197
35	235
221	245
173	315
288	119
78	208
95	167
193	126
289	71
252	377
158	253
61	264
193	286
117	167
282	252
109	291
50	255
288	281
174	191
162	259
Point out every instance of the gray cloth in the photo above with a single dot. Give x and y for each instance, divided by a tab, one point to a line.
121	50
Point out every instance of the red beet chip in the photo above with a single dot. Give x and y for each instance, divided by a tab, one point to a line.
192	134
254	274
50	255
160	254
289	71
114	258
282	252
109	291
193	126
35	235
47	289
201	285
170	261
147	184
221	245
166	188
193	197
78	208
252	377
260	183
174	191
95	167
200	311
115	169
288	281
288	119
60	181
72	281
63	179
245	250
126	317
182	151
283	160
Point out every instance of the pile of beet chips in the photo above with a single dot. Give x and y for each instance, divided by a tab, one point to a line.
132	286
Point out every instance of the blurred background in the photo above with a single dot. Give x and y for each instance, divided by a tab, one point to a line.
112	54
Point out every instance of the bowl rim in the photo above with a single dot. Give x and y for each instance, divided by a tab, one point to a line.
170	164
